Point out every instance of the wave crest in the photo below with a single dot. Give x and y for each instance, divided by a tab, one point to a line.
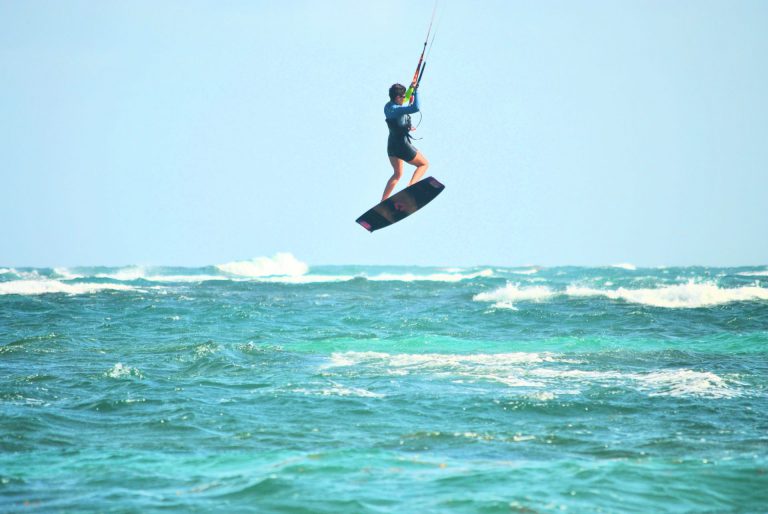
690	295
761	273
46	286
282	264
448	276
507	296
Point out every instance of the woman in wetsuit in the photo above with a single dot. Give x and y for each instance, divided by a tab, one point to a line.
399	147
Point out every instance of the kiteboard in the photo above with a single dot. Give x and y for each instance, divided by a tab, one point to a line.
401	205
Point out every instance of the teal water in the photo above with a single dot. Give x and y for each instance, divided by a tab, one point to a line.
267	387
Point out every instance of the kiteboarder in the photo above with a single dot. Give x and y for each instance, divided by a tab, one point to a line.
399	147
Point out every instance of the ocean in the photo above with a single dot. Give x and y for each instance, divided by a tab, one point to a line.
274	386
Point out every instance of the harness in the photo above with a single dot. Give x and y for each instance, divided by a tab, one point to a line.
400	129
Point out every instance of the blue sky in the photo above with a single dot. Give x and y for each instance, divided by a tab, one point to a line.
194	133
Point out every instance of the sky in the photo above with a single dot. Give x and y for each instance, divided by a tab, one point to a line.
191	133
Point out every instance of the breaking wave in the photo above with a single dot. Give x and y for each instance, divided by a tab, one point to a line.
690	295
507	296
282	264
47	286
529	271
761	273
431	277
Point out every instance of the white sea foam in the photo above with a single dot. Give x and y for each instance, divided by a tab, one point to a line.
44	286
282	268
536	371
121	371
675	382
690	295
543	396
431	277
507	296
340	390
763	273
625	265
438	360
282	264
183	278
447	276
65	274
125	274
506	368
131	273
685	382
24	275
308	279
140	273
530	271
3	271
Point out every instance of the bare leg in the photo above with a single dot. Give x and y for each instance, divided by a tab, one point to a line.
421	164
397	166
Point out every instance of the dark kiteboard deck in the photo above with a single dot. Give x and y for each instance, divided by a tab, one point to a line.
401	205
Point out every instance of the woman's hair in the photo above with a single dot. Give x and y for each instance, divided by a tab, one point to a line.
396	90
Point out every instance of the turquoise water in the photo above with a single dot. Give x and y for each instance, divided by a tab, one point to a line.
264	386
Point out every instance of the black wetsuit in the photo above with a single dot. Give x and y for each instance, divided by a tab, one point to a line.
399	122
